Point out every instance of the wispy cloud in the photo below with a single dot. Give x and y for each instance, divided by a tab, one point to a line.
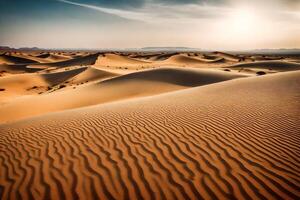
131	15
191	12
156	12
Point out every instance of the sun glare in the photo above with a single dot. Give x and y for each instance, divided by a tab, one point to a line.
244	21
242	26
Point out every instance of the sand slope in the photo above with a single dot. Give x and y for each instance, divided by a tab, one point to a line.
269	65
17	69
92	74
139	84
33	83
183	60
9	59
220	141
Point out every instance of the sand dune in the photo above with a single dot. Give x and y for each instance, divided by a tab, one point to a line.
269	65
217	60
43	55
21	84
34	57
139	84
264	58
33	83
8	59
163	56
83	60
157	56
145	56
92	74
227	56
230	140
183	60
193	60
17	69
47	57
179	76
118	61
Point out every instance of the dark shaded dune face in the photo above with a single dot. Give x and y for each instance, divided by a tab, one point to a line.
164	56
210	57
269	65
83	60
7	59
51	57
195	144
60	77
177	76
227	56
58	57
18	69
144	56
44	55
261	58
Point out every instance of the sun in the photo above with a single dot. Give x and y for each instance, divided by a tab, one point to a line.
244	21
242	26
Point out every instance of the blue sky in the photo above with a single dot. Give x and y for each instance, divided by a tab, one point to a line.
207	24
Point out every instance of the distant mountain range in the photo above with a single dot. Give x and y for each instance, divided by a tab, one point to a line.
170	49
160	49
7	48
270	51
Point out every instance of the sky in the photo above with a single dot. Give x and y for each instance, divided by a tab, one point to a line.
205	24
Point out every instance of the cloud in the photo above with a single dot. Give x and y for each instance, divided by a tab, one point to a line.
113	11
160	12
185	2
133	4
119	4
189	11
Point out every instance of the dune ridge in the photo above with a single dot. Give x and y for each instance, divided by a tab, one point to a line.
133	85
197	143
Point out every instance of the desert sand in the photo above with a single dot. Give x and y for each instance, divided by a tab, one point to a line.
149	125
